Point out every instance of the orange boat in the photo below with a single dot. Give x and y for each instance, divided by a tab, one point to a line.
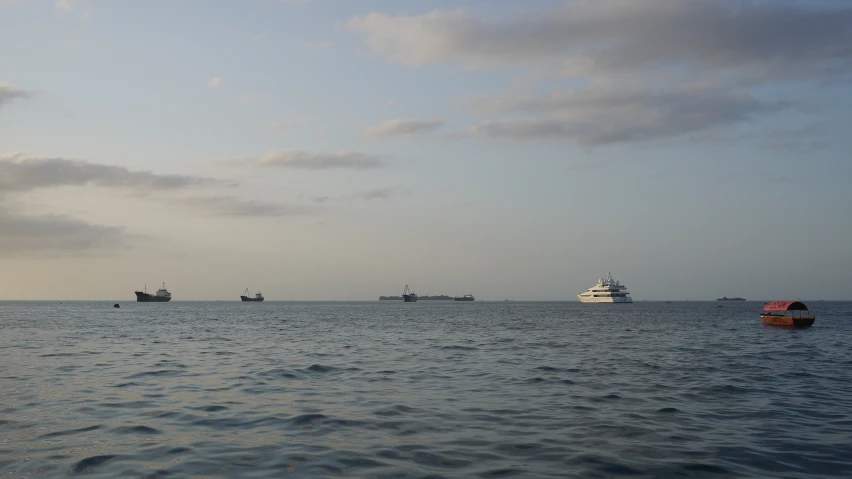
791	314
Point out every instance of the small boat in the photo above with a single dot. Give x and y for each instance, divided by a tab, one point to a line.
790	314
162	296
467	297
408	296
246	296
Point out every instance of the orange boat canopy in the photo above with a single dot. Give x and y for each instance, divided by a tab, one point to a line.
785	306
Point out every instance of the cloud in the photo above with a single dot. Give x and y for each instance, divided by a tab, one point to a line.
321	45
625	71
405	128
291	2
23	173
224	205
277	126
608	36
55	235
375	193
214	82
11	92
600	115
305	160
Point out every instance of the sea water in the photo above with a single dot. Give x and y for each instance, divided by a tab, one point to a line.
427	389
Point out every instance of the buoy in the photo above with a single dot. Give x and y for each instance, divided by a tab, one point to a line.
116	305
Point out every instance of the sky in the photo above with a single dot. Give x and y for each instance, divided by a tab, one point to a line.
339	150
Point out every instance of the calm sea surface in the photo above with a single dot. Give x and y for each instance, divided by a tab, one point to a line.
431	389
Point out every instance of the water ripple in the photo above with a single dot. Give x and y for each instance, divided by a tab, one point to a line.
389	390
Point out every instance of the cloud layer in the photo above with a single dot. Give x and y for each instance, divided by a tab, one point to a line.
375	193
53	234
602	115
60	234
403	128
226	205
11	92
306	160
627	71
618	35
19	172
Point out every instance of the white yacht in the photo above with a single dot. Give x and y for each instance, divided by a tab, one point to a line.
607	290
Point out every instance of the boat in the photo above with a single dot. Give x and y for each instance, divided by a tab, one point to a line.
725	298
607	290
437	297
467	297
161	296
787	313
408	296
246	296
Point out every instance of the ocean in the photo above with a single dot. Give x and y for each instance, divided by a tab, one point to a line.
422	390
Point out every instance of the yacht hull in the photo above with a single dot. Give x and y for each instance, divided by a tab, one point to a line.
605	300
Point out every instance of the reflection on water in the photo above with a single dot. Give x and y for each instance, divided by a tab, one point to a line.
427	389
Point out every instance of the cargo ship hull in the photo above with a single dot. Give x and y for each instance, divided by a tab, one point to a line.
248	298
150	298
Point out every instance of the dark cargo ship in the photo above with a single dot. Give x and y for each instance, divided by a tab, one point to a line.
467	297
408	296
161	296
248	297
437	297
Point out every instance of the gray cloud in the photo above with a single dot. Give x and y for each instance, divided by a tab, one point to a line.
594	116
400	127
617	35
11	92
22	173
55	235
630	71
225	205
375	193
305	160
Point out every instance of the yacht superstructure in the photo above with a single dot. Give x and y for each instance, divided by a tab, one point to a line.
607	290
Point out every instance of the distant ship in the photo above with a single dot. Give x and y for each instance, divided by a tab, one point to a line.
725	298
247	296
161	296
606	291
408	296
437	297
467	297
